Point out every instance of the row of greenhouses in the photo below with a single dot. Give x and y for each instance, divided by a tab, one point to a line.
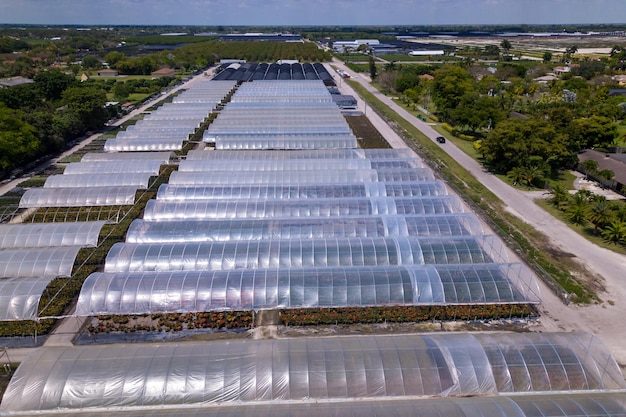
32	255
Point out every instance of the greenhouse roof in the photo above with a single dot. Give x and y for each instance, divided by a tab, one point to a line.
371	154
139	180
77	197
237	290
300	208
33	235
545	405
310	370
113	167
213	256
199	230
38	262
127	156
143	144
19	297
214	192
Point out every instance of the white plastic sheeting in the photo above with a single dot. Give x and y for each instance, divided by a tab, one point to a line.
33	235
113	167
78	197
127	156
158	210
288	371
269	155
214	256
280	142
143	144
38	262
545	405
142	231
169	192
19	297
198	291
140	180
261	165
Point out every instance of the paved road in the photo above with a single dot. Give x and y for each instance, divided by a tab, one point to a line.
605	267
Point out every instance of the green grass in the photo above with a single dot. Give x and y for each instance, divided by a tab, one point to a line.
587	231
36	181
621	139
555	270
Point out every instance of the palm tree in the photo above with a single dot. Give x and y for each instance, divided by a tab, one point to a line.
589	167
615	232
559	195
600	214
577	213
517	175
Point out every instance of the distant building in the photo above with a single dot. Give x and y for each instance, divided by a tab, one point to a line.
263	37
613	162
164	72
13	81
437	52
343	46
108	73
620	78
426	77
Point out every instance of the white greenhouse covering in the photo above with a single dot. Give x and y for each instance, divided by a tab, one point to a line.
38	262
143	144
169	192
198	291
261	165
545	405
113	167
77	197
185	230
215	256
282	142
127	156
32	235
309	370
370	154
19	297
159	210
139	180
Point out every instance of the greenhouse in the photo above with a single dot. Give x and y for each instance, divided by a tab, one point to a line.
168	192
49	234
546	405
19	297
129	157
199	230
159	210
143	144
311	370
113	167
139	180
237	290
261	165
76	197
215	256
38	262
282	142
371	154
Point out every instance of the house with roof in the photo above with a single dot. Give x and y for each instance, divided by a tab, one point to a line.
13	81
612	161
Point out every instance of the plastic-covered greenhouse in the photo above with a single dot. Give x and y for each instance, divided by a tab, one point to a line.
19	297
185	230
213	256
310	370
269	155
198	291
113	167
49	234
38	262
77	197
282	142
143	144
168	192
127	156
139	180
157	210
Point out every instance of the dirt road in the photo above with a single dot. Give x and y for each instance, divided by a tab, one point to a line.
605	320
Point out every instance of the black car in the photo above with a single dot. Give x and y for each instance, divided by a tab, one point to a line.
440	139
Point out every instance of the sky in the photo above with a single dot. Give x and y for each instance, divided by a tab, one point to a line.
311	12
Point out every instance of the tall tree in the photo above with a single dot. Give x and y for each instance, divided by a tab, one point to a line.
18	140
372	65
